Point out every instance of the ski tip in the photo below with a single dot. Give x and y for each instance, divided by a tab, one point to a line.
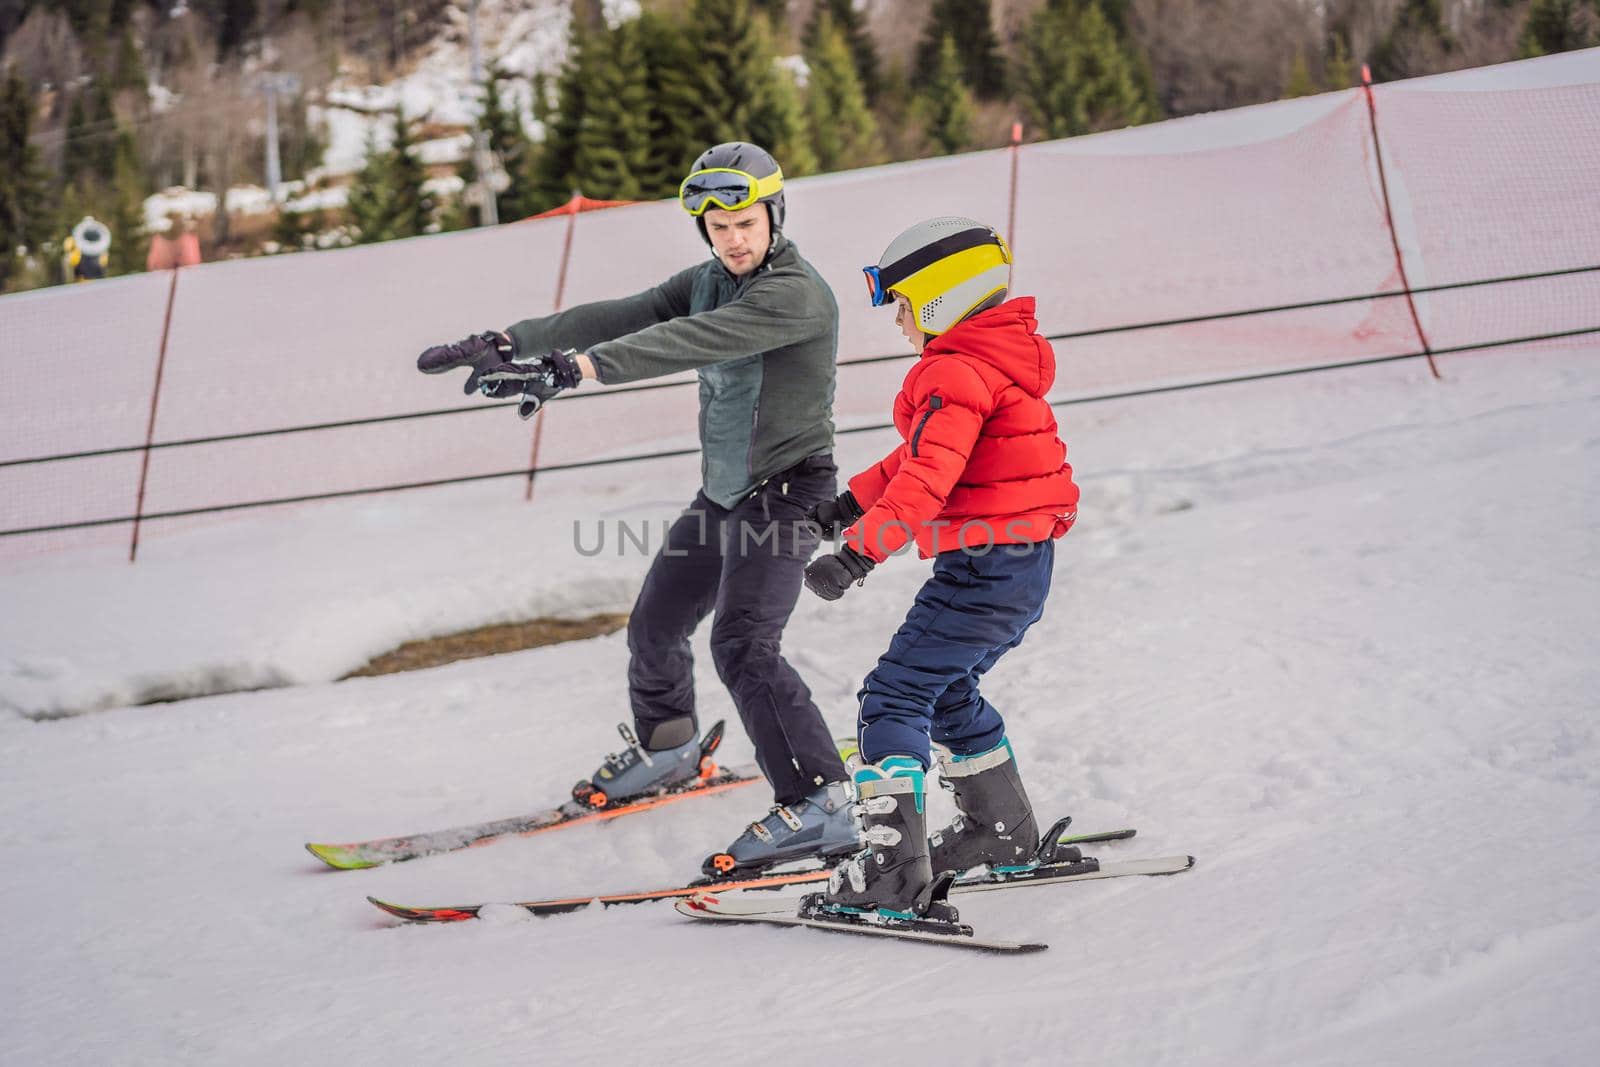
399	911
424	915
338	857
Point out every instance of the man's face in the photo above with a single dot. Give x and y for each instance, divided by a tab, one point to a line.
739	238
907	321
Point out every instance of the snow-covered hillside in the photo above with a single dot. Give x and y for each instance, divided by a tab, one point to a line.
1333	634
519	39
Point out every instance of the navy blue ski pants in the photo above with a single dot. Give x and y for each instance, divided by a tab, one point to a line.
970	613
746	564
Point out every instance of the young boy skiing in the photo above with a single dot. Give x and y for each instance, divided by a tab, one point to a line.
982	485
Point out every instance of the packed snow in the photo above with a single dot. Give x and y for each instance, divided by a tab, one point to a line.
1332	634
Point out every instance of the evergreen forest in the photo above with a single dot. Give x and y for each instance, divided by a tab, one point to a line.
106	102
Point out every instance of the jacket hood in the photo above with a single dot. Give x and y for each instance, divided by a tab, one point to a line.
1006	338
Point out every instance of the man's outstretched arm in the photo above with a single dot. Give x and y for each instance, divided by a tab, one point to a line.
774	313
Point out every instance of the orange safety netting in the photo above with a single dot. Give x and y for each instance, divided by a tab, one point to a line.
1490	173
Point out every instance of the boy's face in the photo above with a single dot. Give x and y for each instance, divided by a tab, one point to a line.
906	319
740	238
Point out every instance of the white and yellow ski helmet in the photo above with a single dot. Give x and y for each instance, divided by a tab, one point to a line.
946	267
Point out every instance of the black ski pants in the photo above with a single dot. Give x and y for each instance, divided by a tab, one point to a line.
747	565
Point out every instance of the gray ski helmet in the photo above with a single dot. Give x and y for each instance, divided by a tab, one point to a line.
947	268
744	157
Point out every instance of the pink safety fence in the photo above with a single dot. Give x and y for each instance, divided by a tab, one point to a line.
1247	243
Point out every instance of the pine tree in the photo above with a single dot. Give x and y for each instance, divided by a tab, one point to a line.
785	116
669	60
507	139
614	135
968	22
842	131
78	154
1559	26
1299	83
502	127
387	199
1337	64
103	146
1108	87
850	22
736	92
553	168
1075	76
121	208
412	209
368	202
24	192
778	118
295	231
1415	44
945	104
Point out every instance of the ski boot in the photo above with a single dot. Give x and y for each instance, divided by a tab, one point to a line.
822	825
891	882
669	756
994	822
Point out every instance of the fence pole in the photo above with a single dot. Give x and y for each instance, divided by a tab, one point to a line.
1388	214
150	426
575	205
1011	209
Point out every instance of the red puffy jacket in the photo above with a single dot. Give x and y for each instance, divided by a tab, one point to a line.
982	462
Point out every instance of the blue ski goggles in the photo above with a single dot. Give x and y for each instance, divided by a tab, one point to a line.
880	296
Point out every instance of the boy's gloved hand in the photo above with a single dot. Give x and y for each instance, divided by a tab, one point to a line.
829	576
535	380
480	352
833	517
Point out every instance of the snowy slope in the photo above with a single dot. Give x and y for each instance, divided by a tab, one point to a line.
1333	634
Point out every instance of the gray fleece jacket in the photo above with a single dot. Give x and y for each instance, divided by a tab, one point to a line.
764	347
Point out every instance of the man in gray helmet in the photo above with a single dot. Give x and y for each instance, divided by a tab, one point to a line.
760	327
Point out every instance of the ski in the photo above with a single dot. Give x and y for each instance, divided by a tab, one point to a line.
737	906
1095	838
357	855
1083	870
765	881
729	899
563	905
957	936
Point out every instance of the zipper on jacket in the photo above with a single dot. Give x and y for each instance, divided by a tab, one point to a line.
935	402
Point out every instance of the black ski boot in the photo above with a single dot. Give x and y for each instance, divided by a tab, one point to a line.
994	824
891	877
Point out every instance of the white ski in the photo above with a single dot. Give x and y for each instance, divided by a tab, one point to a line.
765	902
725	909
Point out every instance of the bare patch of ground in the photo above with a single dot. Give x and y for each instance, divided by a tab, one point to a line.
489	641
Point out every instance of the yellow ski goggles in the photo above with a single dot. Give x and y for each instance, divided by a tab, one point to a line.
722	187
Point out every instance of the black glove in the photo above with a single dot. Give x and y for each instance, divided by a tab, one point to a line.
833	517
535	380
480	352
829	576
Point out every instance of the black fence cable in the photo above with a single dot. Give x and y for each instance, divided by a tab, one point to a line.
860	361
671	453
